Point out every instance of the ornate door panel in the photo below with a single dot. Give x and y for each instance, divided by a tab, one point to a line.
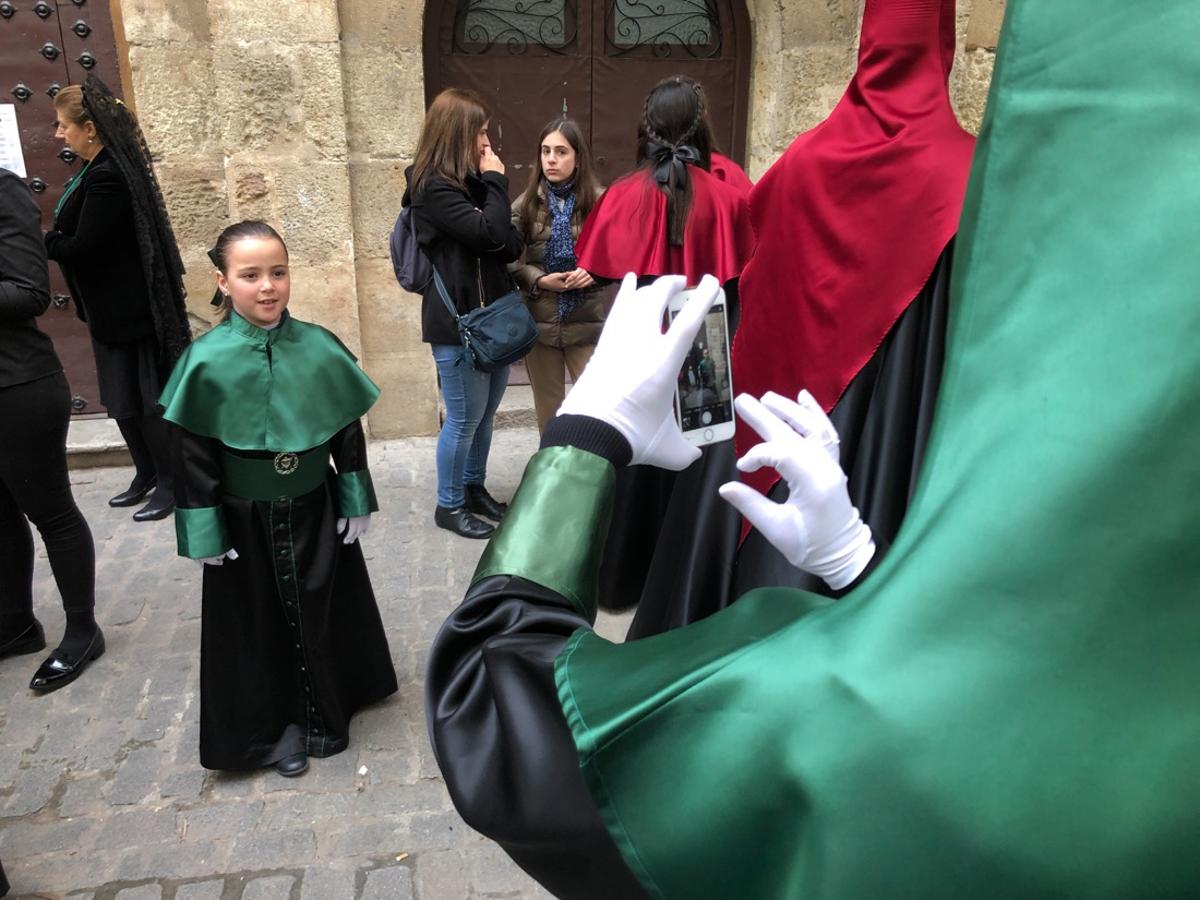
45	45
528	59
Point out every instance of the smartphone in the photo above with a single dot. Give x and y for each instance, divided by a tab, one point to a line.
704	393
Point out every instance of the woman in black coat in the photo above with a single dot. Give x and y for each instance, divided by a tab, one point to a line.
459	198
123	271
34	410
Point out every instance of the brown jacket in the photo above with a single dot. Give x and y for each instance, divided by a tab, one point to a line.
587	319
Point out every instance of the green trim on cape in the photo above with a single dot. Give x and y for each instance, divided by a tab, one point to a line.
1006	706
286	389
355	494
200	533
553	534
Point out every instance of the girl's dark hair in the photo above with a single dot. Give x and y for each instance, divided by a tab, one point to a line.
219	254
674	115
587	189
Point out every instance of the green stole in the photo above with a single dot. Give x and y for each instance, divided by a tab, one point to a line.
288	388
1008	705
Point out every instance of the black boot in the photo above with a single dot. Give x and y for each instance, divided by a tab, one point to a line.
480	502
29	640
135	493
461	522
61	668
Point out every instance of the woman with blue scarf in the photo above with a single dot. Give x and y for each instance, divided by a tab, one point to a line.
567	304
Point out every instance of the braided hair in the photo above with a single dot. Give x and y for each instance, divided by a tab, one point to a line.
673	132
119	133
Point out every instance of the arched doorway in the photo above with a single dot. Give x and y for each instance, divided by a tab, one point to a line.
594	59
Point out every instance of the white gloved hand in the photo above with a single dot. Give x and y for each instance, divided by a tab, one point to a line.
354	527
218	560
630	380
817	528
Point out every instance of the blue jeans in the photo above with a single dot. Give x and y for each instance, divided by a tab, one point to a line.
471	399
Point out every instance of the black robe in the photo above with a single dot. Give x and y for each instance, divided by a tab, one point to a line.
292	644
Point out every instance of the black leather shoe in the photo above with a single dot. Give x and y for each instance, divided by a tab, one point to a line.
291	766
31	640
462	522
60	669
157	508
132	495
480	502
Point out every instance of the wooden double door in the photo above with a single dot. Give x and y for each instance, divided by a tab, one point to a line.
46	45
595	61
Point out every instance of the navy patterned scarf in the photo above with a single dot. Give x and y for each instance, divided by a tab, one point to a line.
559	255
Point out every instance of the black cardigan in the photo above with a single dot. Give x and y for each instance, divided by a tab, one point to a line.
469	237
95	243
26	354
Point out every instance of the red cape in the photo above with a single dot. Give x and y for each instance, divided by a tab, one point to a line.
627	231
854	215
731	173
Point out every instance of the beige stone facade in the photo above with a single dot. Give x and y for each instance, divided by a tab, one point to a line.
305	113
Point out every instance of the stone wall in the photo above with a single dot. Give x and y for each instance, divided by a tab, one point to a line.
306	114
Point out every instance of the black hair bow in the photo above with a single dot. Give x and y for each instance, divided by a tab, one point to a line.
667	159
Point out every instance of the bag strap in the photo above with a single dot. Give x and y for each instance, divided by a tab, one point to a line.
441	289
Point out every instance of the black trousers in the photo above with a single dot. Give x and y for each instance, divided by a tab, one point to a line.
34	487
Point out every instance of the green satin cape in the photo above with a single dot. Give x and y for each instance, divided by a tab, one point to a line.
1007	706
287	389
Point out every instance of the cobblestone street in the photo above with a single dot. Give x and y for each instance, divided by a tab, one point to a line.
102	796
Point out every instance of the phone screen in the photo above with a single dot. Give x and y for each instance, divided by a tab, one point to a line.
705	391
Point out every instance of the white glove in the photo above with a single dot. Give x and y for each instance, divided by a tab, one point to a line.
354	527
630	380
218	560
817	528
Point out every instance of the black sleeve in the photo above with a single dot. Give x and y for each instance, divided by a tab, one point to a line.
348	449
197	469
107	210
24	276
486	229
498	730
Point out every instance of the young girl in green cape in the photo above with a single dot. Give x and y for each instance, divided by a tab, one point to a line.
292	644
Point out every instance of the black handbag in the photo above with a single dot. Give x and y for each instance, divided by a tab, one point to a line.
492	336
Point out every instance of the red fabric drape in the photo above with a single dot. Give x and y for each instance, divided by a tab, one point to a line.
731	173
852	218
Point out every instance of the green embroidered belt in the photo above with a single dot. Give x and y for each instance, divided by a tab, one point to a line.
282	477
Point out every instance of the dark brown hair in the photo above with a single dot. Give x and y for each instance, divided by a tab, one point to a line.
447	143
587	189
676	113
219	254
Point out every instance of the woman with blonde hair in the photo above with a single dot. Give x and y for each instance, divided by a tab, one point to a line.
459	197
567	304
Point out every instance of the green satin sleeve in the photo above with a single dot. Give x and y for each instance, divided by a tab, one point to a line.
200	533
356	494
553	534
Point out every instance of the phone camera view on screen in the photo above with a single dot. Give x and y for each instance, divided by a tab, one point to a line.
705	394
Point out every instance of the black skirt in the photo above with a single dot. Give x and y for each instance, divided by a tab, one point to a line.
129	377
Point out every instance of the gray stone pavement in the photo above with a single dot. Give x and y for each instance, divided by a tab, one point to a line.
102	796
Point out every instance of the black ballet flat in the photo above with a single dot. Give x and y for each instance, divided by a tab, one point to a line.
31	640
291	766
481	503
132	495
60	669
157	508
462	523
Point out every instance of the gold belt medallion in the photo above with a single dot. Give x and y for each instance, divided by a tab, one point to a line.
286	463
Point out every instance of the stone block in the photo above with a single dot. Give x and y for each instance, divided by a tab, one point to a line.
409	402
34	838
195	192
311	208
326	883
176	112
983	30
219	821
150	22
322	100
258	93
389	316
141	892
832	21
278	850
200	890
137	828
382	23
385	101
278	887
969	85
135	778
239	22
327	296
32	789
391	883
377	187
